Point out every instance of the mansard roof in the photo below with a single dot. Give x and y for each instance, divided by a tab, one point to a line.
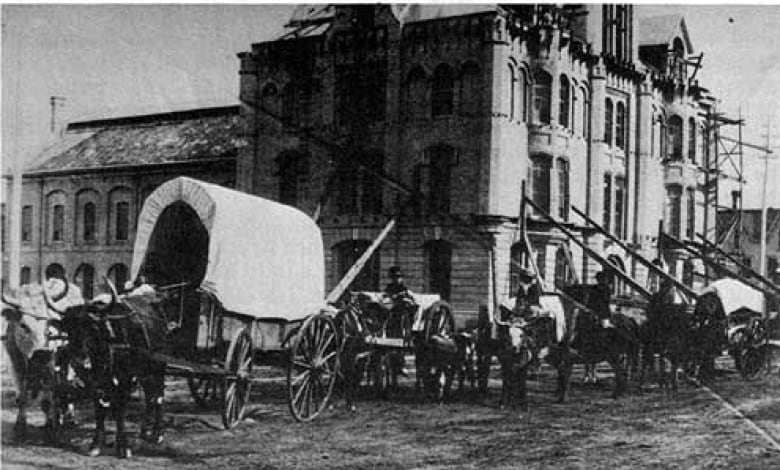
175	137
661	30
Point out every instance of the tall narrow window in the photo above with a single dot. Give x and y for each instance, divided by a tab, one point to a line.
346	254
89	221
692	129
442	91
118	274
607	218
122	220
416	105
563	189
85	279
562	269
27	219
511	89
24	276
58	223
608	122
675	138
564	102
542	86
690	217
440	157
620	194
540	182
470	91
269	99
620	126
584	122
522	95
371	185
438	258
293	166
673	195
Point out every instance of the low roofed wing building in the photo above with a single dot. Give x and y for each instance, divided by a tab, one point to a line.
81	196
589	105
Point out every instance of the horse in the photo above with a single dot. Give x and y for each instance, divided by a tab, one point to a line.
594	340
31	323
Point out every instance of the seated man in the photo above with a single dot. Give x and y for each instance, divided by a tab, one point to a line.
528	294
396	285
396	290
599	298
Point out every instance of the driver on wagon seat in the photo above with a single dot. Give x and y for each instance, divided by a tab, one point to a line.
598	301
394	289
527	299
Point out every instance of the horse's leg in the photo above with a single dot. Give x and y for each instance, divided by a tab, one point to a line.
119	409
619	369
99	439
506	380
154	388
563	367
483	369
449	373
521	376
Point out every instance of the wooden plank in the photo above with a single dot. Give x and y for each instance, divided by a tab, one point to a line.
359	264
655	269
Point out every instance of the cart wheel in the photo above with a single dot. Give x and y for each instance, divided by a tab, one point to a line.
752	362
313	367
206	391
237	382
442	323
442	320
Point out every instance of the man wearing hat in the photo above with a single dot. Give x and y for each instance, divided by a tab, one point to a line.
528	293
396	285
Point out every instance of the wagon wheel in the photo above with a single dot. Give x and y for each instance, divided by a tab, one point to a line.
313	367
206	391
752	357
237	381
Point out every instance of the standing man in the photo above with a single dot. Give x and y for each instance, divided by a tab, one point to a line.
528	293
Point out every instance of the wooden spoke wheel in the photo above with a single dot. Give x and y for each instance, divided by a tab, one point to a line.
442	320
237	381
206	391
441	323
313	367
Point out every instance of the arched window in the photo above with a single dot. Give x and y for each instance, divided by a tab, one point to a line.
293	170
119	214
675	138
346	253
687	274
24	276
564	102
438	264
620	126
27	224
442	91
692	129
416	101
55	214
522	95
540	181
85	279
618	286
690	218
585	107
118	275
470	90
86	215
673	196
542	91
55	270
511	100
608	110
563	189
440	158
359	190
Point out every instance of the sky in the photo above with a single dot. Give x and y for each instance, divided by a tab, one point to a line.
114	60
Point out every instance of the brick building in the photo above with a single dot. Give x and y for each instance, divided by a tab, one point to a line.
81	197
588	104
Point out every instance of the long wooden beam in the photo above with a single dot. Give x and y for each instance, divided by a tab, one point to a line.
772	286
606	264
647	263
358	266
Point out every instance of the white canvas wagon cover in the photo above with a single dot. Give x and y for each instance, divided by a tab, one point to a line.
262	258
736	295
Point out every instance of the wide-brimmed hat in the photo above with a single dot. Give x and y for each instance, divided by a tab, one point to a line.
395	271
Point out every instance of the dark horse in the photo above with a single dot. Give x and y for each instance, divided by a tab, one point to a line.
109	348
592	341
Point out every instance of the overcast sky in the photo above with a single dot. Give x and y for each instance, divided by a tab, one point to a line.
113	60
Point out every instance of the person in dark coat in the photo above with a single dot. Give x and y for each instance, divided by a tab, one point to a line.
396	285
528	294
598	300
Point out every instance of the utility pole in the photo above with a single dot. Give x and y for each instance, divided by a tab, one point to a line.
15	209
762	264
54	101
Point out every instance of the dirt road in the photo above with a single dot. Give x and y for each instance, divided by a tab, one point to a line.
648	430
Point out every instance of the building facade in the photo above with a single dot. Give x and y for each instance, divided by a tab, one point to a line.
742	239
82	196
464	106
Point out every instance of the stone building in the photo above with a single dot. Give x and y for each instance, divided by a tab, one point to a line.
589	105
81	196
743	239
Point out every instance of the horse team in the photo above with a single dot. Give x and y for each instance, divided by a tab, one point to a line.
519	342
